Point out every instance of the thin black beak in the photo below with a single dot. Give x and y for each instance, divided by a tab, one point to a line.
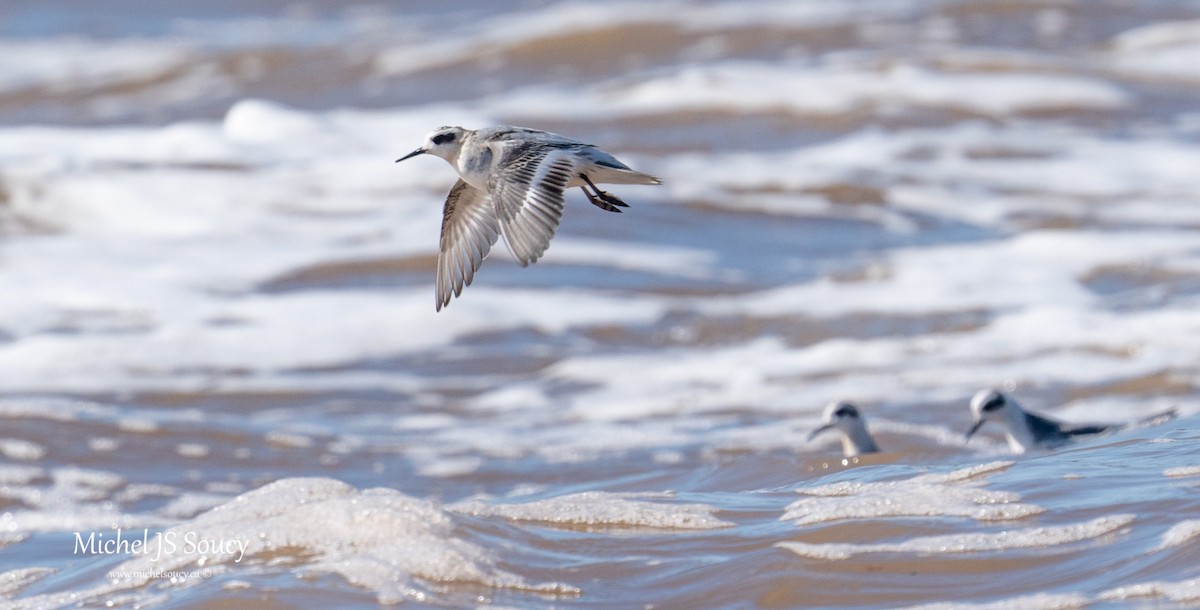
412	154
973	430
818	431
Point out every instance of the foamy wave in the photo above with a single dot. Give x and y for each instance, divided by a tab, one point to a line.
399	547
596	508
1159	51
952	494
760	87
1016	171
1028	538
72	64
1182	471
552	29
19	449
13	581
1180	534
74	499
1180	592
1039	601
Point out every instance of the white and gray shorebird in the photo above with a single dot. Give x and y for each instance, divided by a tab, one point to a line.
1026	431
845	418
511	182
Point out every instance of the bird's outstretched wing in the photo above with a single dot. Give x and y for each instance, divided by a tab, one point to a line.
1090	429
1048	432
527	190
469	229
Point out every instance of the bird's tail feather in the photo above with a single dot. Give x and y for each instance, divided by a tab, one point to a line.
612	175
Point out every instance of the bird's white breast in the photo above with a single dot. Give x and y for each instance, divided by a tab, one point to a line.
474	164
1019	436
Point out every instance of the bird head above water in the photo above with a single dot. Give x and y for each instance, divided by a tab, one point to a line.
845	418
1023	430
444	142
989	405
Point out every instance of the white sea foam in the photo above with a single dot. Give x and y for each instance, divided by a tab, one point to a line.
1013	170
603	509
131	317
399	547
1159	51
1182	471
263	122
13	581
179	258
1181	591
1038	601
957	493
70	64
136	491
75	499
193	450
761	87
288	439
495	35
11	474
1180	534
976	542
18	449
278	335
52	409
10	538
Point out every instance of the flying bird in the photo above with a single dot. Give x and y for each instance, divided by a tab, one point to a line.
512	182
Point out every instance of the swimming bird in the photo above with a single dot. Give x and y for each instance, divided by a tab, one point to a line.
1025	430
511	183
845	418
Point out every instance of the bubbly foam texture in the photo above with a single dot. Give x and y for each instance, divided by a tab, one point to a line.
74	499
603	509
399	547
1181	591
1024	538
957	493
17	449
1182	471
1159	51
67	64
13	581
131	317
1040	601
736	87
1180	534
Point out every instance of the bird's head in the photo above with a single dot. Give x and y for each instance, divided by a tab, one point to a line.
839	416
987	405
444	142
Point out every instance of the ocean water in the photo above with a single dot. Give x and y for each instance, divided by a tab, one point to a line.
223	383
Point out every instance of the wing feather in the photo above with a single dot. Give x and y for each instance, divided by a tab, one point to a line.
527	190
469	229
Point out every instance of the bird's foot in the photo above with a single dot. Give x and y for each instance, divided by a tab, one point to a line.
602	199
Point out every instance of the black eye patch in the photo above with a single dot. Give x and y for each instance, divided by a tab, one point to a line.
993	403
442	138
846	411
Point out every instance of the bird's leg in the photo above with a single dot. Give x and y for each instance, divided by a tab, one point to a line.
601	199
